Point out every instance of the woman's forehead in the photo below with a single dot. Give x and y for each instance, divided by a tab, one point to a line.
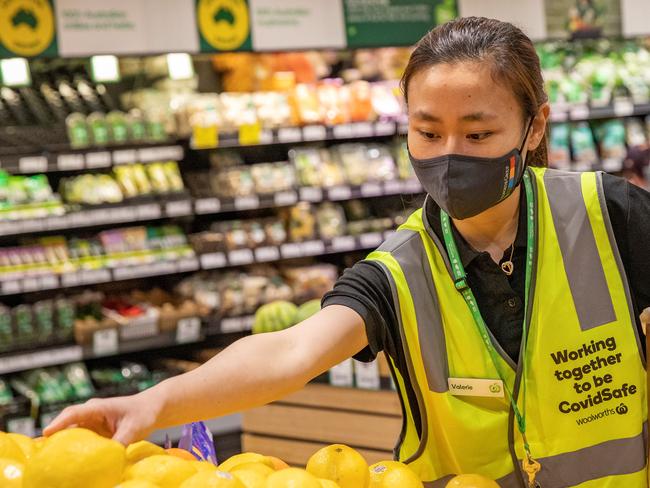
466	91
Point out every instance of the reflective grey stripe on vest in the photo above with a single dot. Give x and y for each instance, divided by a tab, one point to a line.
619	263
611	458
508	481
577	243
408	250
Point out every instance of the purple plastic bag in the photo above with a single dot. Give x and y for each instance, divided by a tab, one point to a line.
197	439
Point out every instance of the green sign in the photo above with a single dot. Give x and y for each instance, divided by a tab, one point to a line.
224	25
27	28
376	23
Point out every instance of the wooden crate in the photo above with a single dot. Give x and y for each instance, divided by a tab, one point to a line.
300	424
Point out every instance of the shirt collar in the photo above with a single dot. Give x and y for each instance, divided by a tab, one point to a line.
465	250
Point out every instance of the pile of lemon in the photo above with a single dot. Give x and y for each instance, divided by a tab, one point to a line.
79	458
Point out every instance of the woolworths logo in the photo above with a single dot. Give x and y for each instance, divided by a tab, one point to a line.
495	388
622	409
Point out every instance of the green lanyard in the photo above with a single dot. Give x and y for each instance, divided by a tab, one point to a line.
460	280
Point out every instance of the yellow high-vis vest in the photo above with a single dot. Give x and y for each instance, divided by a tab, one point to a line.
585	375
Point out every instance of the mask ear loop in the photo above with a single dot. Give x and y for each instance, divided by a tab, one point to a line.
523	143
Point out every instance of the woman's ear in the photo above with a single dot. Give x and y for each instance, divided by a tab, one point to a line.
539	126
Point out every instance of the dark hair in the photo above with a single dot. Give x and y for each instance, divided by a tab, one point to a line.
510	52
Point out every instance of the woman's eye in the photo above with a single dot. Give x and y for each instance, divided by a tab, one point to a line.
479	136
427	135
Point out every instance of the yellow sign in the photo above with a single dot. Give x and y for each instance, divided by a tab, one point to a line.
223	23
205	137
26	26
250	134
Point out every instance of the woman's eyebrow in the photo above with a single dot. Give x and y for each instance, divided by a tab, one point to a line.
478	117
471	117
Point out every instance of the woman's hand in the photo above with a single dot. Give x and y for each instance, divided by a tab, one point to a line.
125	419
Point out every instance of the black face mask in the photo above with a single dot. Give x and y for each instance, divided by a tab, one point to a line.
465	186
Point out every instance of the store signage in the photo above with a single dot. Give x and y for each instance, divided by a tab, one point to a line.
282	25
224	25
376	23
27	28
87	27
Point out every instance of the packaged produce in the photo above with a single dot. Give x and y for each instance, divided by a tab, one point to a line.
273	109
273	177
385	101
360	101
307	104
559	146
331	220
301	223
78	131
583	144
611	138
316	167
310	282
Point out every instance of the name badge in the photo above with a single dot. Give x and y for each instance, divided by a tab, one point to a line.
476	387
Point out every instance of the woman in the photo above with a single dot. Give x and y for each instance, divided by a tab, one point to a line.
507	306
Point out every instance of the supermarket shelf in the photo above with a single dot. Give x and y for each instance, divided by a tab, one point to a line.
97	276
213	205
309	133
183	206
318	247
105	343
207	261
144	210
76	160
620	108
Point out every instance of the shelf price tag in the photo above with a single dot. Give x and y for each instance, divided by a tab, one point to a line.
32	164
367	375
188	330
22	425
205	137
314	133
250	134
284	198
623	108
105	342
267	253
70	162
342	374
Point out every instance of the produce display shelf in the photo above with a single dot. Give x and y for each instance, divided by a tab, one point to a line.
312	248
182	206
95	158
97	276
105	343
584	112
309	133
140	211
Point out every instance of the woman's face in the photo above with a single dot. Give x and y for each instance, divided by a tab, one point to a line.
459	109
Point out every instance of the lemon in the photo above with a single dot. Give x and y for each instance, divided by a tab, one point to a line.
292	478
140	450
471	481
166	471
252	475
387	474
76	458
247	457
11	473
25	443
137	484
212	479
278	463
10	449
327	483
203	465
340	464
